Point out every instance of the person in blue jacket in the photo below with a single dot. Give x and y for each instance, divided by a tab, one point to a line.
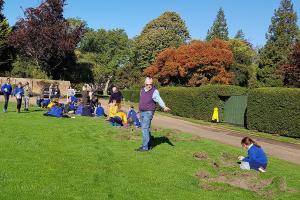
6	90
56	111
100	110
19	93
256	159
79	108
132	117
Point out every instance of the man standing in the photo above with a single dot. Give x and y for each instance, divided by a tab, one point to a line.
117	96
6	89
149	96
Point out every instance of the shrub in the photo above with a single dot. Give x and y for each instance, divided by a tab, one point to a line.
194	102
274	110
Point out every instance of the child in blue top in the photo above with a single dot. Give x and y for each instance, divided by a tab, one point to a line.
100	110
79	108
7	90
56	111
132	117
19	93
256	158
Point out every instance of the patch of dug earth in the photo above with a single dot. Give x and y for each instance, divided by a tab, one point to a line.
123	137
226	160
202	174
267	188
200	155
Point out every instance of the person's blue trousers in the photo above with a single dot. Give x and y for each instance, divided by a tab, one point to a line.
146	118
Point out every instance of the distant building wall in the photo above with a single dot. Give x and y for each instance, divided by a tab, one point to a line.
38	84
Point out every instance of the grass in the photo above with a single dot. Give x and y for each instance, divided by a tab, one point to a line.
230	127
84	158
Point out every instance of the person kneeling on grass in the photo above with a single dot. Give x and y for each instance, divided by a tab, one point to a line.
119	119
132	117
56	111
256	158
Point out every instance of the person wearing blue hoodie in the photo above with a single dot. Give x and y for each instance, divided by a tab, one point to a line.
256	158
56	111
6	90
99	112
133	118
19	93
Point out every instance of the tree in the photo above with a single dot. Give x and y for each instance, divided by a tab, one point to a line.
193	64
282	35
243	65
5	51
168	30
45	38
240	35
107	51
291	71
219	28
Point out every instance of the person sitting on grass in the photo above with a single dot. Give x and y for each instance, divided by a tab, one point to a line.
45	103
70	107
94	102
256	158
88	110
56	111
100	110
52	103
79	107
119	119
113	109
132	117
19	93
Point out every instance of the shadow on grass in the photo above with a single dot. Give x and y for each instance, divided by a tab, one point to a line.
156	141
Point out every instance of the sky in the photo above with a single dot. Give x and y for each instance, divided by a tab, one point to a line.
252	16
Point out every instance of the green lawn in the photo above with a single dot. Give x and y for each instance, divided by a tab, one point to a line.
85	158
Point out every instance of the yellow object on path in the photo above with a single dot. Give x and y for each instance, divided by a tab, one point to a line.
215	116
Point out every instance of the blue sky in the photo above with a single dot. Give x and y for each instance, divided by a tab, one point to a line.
253	16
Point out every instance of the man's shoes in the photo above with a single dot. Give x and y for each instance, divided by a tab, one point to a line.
141	149
4	110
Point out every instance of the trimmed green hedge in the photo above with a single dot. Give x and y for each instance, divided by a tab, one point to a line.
195	103
274	110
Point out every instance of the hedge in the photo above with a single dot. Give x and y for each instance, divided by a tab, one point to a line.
274	110
195	103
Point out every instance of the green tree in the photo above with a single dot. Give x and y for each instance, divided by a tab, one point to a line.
168	30
282	35
243	66
5	52
240	35
106	51
219	28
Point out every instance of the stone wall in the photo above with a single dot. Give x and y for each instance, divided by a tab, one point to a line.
38	84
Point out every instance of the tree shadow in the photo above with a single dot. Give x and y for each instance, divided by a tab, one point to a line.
156	141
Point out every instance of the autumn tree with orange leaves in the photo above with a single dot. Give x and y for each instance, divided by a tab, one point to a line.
194	64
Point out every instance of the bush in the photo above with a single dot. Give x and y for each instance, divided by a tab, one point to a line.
274	110
193	102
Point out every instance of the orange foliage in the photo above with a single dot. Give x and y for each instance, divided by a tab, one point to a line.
197	63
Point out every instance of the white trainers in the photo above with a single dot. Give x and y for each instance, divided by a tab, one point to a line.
262	170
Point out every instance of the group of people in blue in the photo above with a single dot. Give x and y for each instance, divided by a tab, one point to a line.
149	97
19	92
